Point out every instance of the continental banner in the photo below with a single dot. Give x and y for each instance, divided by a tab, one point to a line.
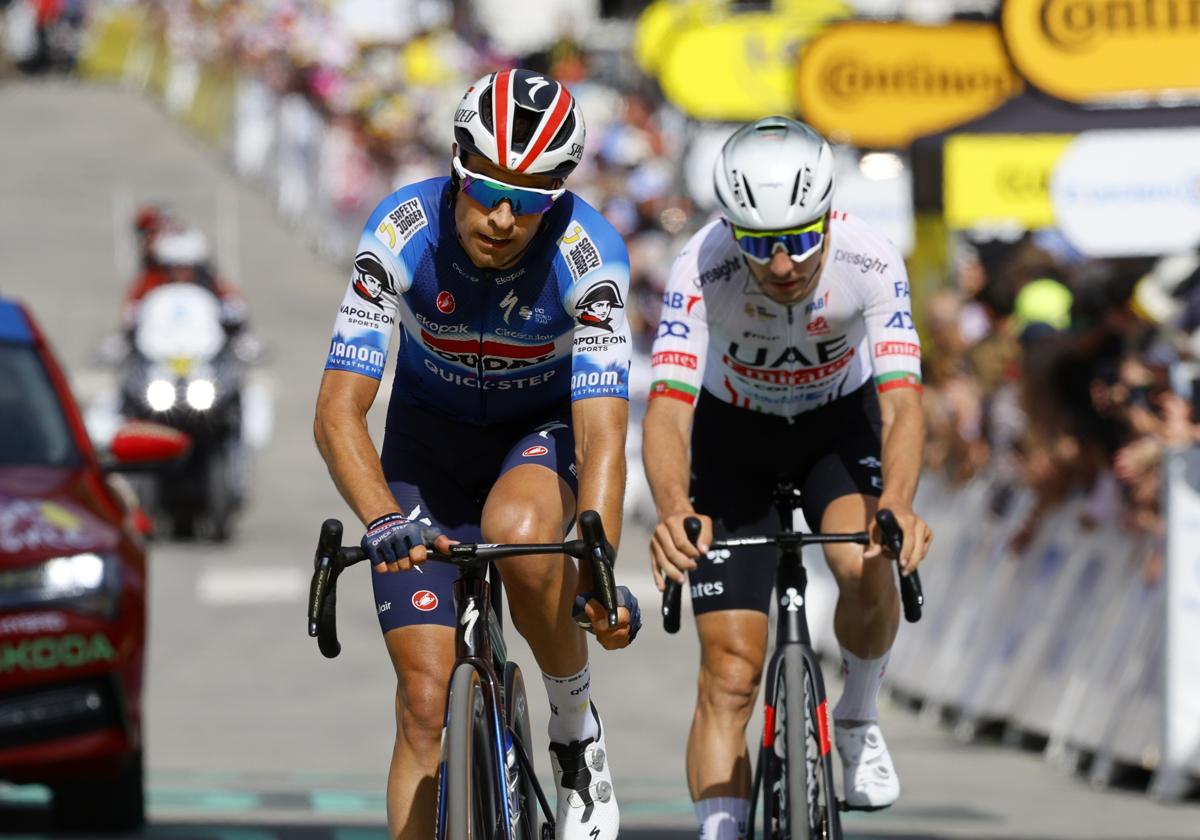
882	85
1098	51
1000	179
738	68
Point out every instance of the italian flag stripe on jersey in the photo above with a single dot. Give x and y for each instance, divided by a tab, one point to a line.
674	389
900	379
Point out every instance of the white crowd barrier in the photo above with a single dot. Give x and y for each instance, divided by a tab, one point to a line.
1065	641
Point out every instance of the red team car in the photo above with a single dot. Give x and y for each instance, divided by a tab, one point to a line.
72	591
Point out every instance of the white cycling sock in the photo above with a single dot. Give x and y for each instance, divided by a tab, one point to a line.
571	716
722	817
863	678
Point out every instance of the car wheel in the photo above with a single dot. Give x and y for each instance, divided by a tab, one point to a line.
109	805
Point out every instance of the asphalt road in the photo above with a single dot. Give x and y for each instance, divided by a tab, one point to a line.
251	733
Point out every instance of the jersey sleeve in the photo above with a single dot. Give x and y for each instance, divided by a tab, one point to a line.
594	274
681	341
378	276
894	345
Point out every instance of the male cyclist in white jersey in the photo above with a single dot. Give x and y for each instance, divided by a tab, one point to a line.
786	349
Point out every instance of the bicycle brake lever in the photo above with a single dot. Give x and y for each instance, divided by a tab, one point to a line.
602	576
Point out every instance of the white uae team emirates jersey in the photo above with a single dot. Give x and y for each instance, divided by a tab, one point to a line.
720	332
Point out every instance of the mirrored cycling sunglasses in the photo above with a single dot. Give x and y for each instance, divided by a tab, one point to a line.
800	243
490	192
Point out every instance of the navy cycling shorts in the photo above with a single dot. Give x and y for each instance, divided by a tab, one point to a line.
739	456
441	470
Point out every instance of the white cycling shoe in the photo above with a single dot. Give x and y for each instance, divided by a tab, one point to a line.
587	806
867	770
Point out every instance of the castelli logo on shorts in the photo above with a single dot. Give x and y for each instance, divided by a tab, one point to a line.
445	303
424	600
535	451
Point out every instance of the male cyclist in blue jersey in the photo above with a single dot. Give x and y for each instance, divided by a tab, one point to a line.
507	415
786	350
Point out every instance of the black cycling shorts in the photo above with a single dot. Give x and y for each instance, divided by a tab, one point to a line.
739	456
442	470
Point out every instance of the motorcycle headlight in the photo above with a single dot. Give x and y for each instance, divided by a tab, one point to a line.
86	582
201	394
160	395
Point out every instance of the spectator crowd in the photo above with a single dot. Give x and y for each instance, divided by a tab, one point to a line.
1045	369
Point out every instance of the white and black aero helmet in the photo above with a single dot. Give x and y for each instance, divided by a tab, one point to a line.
522	121
774	174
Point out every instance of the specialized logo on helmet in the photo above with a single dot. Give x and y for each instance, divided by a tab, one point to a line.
596	305
371	279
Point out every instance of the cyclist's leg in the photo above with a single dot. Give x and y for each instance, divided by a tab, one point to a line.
731	600
422	656
534	501
416	614
841	492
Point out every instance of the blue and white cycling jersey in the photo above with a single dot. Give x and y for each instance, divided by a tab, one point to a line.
485	345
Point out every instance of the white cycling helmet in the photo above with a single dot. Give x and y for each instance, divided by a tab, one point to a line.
774	174
185	247
521	121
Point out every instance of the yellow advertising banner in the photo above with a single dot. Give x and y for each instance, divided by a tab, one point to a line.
738	68
1000	179
882	85
1096	51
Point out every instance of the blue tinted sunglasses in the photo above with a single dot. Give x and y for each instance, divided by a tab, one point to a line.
490	192
800	243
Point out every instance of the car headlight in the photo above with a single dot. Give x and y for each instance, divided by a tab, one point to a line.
160	395
86	582
201	394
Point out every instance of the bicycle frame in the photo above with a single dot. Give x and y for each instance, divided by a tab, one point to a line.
791	628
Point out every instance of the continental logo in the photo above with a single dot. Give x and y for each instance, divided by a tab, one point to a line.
1094	51
879	84
1083	24
856	77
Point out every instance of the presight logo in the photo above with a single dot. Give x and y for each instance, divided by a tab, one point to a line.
371	280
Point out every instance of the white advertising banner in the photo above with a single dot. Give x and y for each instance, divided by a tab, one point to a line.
1182	718
1130	193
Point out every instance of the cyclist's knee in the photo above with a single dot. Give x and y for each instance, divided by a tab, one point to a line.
729	678
421	708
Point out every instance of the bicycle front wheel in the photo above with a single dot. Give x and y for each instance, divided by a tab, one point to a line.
469	782
799	799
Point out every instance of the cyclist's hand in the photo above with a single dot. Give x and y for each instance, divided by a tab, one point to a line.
671	552
590	614
917	537
394	543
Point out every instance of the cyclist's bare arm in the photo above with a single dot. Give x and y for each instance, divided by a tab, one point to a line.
340	429
600	425
902	450
665	434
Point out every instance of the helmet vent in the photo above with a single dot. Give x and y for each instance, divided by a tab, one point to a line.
749	194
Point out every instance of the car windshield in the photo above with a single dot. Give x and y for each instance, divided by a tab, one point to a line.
33	428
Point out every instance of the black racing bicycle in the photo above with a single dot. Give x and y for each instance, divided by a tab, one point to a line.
487	787
798	804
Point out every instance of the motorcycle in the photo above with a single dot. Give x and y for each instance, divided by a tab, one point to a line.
185	371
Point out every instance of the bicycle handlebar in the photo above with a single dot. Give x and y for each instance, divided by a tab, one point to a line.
910	585
331	559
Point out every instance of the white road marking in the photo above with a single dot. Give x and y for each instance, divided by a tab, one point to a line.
232	585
